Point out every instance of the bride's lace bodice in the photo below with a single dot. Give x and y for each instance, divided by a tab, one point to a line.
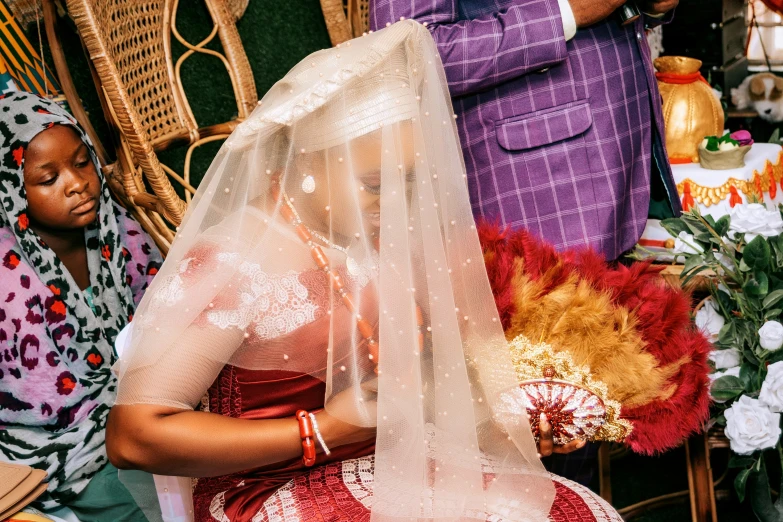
261	304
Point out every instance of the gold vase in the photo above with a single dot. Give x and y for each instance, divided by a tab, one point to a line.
690	109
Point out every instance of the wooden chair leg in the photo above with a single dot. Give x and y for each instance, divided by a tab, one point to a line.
605	481
702	490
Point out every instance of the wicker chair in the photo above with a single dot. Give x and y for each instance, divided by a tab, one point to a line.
129	46
346	19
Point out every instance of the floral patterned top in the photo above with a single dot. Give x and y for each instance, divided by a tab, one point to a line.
56	348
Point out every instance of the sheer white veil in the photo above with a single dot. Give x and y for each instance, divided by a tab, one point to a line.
370	118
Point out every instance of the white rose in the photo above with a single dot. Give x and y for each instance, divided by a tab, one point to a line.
733	372
725	358
685	244
751	426
772	389
771	335
709	321
727	145
755	220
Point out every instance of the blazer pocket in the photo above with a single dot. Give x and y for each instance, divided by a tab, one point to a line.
544	127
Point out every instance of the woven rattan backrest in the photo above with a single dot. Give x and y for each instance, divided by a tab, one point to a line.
359	14
346	19
129	45
134	35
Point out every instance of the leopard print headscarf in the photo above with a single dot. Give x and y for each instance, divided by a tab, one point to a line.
56	384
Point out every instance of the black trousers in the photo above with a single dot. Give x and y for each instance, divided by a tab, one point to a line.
581	466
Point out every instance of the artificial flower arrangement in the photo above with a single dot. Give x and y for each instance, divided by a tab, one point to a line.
744	251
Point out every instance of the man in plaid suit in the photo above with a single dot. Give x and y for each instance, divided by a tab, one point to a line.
558	112
560	120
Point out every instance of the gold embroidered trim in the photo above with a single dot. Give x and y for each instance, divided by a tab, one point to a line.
709	196
534	362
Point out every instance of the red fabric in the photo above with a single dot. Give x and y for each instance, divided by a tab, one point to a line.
322	496
735	198
274	394
680	79
687	198
775	5
569	506
320	493
264	395
679	161
652	243
663	321
757	183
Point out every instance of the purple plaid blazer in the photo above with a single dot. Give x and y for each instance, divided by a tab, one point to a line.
558	136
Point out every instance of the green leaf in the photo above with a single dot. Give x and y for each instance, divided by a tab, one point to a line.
775	138
727	387
722	225
772	357
740	461
757	254
674	226
727	333
713	143
747	376
696	227
740	482
775	283
763	281
757	287
772	298
777	248
686	278
760	496
773	314
692	261
779	502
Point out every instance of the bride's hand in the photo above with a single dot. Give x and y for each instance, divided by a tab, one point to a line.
342	424
339	433
546	445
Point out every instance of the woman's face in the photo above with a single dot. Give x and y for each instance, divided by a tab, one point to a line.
60	179
356	166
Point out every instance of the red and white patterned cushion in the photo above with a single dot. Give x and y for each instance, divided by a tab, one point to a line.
342	491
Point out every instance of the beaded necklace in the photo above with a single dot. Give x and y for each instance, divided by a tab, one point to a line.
367	331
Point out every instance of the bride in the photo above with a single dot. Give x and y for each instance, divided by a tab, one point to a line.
322	342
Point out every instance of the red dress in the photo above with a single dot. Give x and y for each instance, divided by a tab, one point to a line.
339	487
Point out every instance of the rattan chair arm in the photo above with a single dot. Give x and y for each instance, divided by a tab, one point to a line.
337	24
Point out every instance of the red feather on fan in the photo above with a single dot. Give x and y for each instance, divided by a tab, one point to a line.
522	269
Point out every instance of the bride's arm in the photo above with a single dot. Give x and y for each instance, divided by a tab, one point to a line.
169	441
165	439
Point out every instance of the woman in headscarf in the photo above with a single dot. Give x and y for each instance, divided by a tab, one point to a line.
322	342
73	266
